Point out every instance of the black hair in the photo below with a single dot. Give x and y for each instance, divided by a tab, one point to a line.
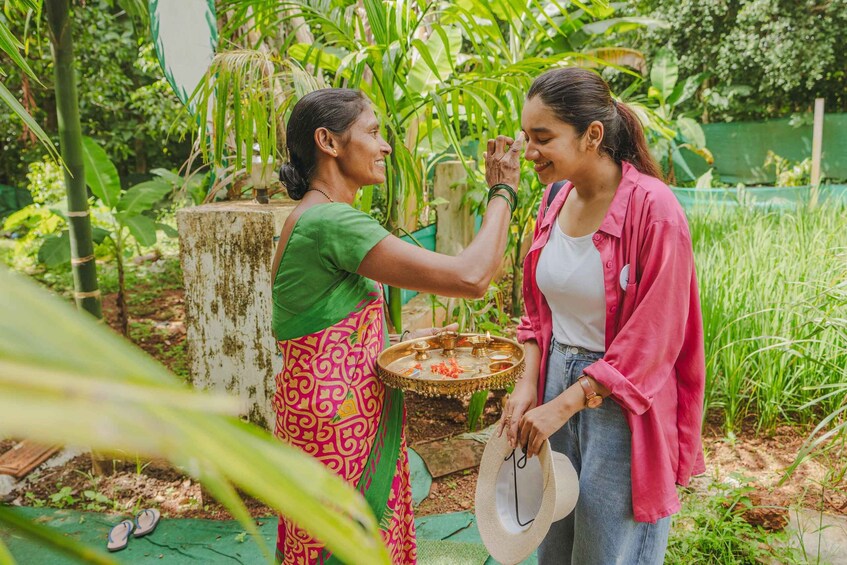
578	97
332	108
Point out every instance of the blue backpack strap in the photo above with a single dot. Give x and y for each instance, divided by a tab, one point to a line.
554	190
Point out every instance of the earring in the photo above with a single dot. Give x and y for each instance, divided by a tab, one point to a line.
334	152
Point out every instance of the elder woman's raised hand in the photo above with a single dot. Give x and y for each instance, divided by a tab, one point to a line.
503	160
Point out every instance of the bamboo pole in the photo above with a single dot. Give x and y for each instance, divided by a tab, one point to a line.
86	292
817	150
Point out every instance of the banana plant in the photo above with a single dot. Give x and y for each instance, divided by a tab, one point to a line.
124	213
666	94
66	379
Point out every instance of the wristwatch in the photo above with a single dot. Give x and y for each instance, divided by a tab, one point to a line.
592	399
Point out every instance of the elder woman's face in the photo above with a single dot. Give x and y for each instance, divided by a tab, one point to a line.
361	155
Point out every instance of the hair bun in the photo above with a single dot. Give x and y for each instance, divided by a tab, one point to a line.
294	182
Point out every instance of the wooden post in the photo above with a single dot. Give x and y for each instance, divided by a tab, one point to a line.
455	223
817	141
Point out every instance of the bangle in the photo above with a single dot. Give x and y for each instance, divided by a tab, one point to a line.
495	190
504	197
503	186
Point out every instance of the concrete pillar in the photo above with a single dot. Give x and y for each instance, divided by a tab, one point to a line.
226	250
418	313
455	224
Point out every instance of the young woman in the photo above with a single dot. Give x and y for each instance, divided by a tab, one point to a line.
613	335
328	315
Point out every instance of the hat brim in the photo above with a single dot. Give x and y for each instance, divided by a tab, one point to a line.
504	545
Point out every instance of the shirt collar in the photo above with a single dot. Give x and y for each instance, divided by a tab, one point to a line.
613	221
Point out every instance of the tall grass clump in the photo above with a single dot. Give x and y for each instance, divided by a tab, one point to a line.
772	289
711	528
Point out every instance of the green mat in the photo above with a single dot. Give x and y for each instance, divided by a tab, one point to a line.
451	553
177	542
443	539
421	479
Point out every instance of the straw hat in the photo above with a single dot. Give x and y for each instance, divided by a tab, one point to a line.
518	498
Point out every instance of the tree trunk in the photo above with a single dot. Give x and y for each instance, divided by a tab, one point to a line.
140	156
671	173
123	314
86	293
517	280
394	203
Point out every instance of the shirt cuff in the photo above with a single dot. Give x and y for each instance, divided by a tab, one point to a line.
620	387
524	335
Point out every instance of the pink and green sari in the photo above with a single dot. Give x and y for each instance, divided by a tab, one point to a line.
329	401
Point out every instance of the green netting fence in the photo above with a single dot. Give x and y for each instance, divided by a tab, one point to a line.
779	197
740	148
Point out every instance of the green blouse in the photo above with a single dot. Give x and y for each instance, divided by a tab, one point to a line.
316	284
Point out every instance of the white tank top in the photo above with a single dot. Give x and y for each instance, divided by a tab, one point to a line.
570	274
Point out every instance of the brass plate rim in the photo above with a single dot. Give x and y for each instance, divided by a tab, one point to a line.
450	388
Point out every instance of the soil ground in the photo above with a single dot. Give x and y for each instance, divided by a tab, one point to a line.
157	326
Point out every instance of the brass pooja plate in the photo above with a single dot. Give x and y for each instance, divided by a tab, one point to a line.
451	364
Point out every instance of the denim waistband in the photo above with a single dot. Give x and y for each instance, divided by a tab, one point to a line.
573	350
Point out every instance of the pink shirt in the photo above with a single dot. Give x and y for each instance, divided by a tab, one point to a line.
654	363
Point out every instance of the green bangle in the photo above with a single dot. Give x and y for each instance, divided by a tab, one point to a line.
506	187
494	190
503	196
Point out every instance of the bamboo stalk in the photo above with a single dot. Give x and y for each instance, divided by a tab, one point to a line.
86	294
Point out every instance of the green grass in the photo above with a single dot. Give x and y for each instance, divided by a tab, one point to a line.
710	530
173	355
773	288
144	282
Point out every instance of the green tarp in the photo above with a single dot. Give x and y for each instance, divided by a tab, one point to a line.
778	197
444	539
740	148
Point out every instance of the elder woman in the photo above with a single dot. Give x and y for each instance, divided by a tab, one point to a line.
613	334
328	307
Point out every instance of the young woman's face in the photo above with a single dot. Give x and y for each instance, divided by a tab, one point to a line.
362	152
552	145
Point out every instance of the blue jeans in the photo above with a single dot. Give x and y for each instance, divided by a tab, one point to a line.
602	529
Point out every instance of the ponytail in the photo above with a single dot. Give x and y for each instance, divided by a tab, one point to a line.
632	144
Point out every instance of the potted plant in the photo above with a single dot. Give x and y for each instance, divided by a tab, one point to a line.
243	97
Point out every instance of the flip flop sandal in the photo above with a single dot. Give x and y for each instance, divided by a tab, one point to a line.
146	521
119	536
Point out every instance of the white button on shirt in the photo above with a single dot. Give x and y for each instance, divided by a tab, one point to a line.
570	274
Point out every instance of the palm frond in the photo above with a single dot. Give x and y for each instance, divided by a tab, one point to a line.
66	379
